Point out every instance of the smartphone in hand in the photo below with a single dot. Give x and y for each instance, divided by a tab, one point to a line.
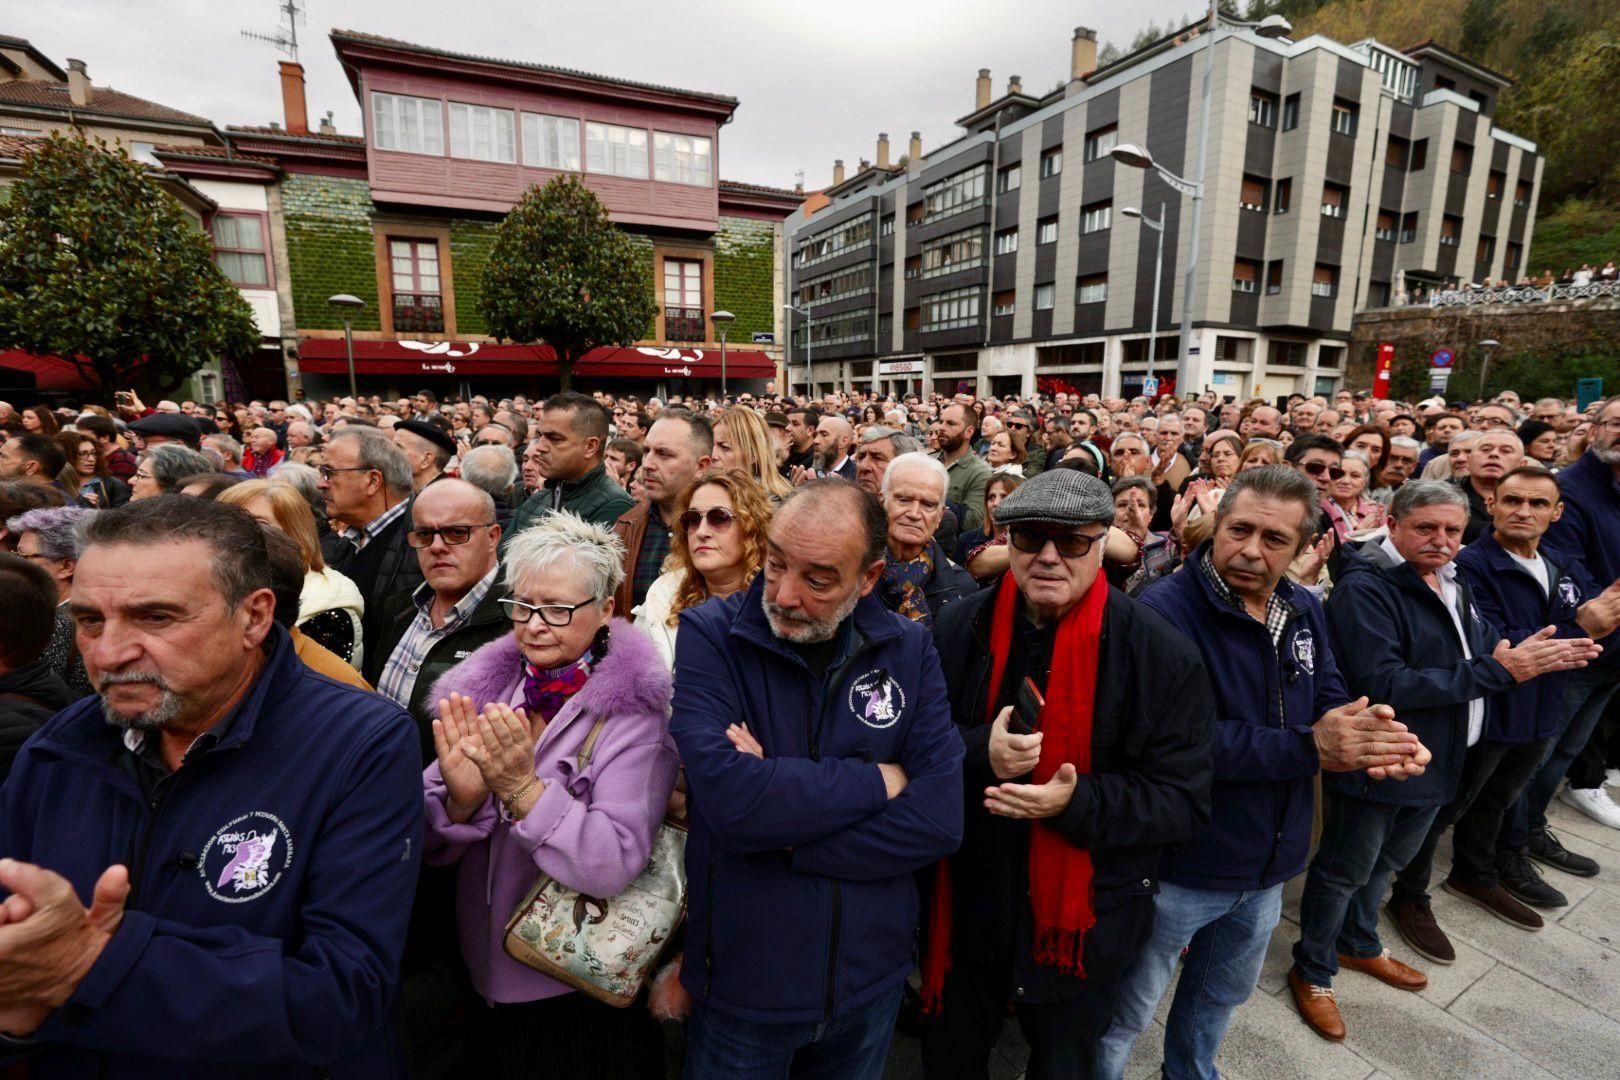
1026	718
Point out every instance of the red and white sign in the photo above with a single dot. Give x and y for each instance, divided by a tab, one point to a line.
326	356
1386	357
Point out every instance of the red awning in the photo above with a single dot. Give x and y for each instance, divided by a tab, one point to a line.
50	372
326	356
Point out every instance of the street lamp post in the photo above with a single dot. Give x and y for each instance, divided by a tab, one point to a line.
1490	345
347	305
805	311
1158	273
722	321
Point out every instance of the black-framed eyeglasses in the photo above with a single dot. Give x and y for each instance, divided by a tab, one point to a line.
326	471
1069	545
489	442
550	614
1317	468
454	535
718	517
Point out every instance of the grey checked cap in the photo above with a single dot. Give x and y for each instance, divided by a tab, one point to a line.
1062	497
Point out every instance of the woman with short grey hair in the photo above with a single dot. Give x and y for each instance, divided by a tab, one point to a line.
554	757
159	469
49	537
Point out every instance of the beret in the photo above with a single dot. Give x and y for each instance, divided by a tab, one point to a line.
1062	497
167	425
437	436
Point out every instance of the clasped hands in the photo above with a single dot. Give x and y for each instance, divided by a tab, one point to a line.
1362	736
49	940
485	753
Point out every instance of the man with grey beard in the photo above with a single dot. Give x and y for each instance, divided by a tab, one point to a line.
208	863
803	709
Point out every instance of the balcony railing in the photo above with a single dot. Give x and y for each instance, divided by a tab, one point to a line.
684	324
418	313
1522	294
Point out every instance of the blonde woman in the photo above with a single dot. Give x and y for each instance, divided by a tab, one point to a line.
742	440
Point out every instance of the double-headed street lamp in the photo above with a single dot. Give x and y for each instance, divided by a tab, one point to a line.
1488	346
1158	273
722	321
347	307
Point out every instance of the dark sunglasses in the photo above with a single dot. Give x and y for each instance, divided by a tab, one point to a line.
718	517
454	535
1317	468
1069	545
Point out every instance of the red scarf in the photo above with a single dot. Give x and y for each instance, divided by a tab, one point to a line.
1060	884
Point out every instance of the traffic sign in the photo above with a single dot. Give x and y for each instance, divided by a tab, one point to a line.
1442	358
1438	379
1150	387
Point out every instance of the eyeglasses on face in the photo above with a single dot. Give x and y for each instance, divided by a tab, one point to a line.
550	614
326	471
1317	468
454	535
718	517
1032	541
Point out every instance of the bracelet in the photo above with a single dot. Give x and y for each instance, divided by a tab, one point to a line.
509	803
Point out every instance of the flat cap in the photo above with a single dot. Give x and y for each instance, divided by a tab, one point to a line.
168	426
776	419
437	436
1062	497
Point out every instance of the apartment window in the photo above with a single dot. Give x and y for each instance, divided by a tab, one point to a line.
1379	294
836	286
410	124
1345	114
1252	195
551	142
1409	227
914	214
1245	276
140	151
1330	356
1285	195
1290	112
839	329
683	300
835	241
1006	241
1462	157
1274	277
1385	229
1009	179
1051	162
1092	289
1101	141
1420	156
886	226
1234	350
239	248
1286	353
951	310
1096	217
1263	108
1003	303
681	159
418	300
1395	152
948	254
1443	83
914	267
1521	193
1324	280
1045	295
617	151
1486	250
1494	183
481	133
1515	252
1046	231
954	194
1334	197
1450	230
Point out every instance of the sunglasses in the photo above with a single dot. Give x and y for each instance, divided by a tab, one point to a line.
454	535
718	517
1317	468
1069	545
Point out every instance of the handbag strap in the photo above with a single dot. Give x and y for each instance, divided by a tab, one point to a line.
589	744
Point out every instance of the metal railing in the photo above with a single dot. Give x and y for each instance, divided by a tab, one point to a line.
420	313
1522	294
683	324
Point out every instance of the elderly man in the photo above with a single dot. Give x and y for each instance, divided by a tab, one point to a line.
427	449
969	475
1170	464
878	448
154	429
493	434
824	773
1284	715
1491	456
1070	811
261	455
570	438
1399	465
1265	422
493	469
834	441
1438	431
269	821
1406	632
680	447
301	433
918	577
1493	417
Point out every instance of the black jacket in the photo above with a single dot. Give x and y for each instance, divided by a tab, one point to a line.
1149	787
29	696
386	567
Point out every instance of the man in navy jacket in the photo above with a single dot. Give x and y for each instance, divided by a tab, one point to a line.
1283	715
245	832
824	771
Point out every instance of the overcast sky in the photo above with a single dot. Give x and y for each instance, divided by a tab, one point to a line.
815	82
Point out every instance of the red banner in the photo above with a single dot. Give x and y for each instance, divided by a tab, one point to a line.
1386	357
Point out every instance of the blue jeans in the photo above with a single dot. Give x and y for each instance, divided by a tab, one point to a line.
1363	842
1225	935
852	1047
1586	692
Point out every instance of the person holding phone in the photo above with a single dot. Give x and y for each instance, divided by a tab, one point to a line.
97	487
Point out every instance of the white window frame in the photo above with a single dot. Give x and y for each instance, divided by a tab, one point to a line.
614	150
1045	296
1344	119
1046	232
425	116
1007	242
1097	218
1262	111
1093	293
1051	162
483	133
683	159
1100	144
1009	179
551	142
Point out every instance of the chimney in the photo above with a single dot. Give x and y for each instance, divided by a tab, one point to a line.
292	97
883	150
327	127
838	172
1083	59
1015	85
79	89
915	151
981	90
798	187
865	165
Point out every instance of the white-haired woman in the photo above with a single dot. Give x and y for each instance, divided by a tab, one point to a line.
505	800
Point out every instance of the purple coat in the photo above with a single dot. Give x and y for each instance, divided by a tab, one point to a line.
592	831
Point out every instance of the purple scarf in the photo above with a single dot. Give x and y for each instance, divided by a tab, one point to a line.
546	691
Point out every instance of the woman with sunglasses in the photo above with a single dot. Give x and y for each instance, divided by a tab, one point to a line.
716	549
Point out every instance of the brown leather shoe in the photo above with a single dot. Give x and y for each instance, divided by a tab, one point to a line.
1416	924
1388	970
1498	902
1317	1007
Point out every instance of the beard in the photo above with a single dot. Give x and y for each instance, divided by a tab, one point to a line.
165	712
951	443
805	630
1609	455
828	458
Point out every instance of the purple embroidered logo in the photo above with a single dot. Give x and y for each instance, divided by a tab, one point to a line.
877	700
245	858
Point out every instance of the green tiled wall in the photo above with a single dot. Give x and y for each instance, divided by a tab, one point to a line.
330	248
744	268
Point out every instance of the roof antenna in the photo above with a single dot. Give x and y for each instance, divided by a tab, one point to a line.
286	36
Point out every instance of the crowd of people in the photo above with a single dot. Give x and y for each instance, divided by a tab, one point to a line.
962	709
1528	289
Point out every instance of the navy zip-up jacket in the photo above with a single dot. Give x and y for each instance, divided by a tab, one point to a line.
802	905
272	877
1396	643
1587	534
1513	601
1268	697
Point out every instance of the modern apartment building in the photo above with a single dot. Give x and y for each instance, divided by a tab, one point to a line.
1338	177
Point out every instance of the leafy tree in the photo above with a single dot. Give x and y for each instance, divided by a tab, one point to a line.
101	267
1107	54
1483	22
1146	36
560	273
1555	27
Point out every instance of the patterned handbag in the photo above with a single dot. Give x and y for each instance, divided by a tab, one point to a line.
605	947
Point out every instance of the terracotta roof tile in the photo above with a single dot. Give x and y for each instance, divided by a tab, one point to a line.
283	133
105	102
740	186
15	146
220	152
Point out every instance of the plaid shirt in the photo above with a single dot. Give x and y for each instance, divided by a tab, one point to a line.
398	679
361	537
1277	609
654	550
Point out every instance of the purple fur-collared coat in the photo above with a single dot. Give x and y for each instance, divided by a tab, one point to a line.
592	831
